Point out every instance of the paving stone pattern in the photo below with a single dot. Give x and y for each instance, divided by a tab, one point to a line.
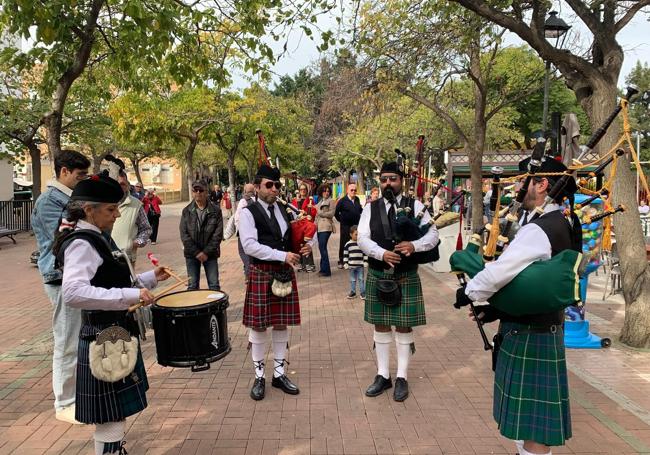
331	359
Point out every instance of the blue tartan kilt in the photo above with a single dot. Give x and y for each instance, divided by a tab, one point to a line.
101	402
531	390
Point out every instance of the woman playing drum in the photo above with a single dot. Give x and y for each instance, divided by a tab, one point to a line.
102	286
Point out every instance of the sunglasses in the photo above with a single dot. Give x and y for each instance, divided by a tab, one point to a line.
270	185
352	190
198	190
384	179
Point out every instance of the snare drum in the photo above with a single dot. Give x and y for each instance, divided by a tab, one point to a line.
191	328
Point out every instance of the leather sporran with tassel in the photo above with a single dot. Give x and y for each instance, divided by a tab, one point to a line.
113	354
281	284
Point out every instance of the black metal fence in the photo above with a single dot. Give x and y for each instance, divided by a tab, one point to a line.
16	214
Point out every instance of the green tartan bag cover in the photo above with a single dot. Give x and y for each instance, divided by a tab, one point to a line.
542	287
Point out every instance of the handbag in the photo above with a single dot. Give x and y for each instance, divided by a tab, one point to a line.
113	354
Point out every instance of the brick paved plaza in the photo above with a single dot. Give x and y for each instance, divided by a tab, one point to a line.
449	410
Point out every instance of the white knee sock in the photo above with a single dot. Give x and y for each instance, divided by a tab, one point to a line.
382	349
108	437
280	339
259	343
403	343
523	451
519	443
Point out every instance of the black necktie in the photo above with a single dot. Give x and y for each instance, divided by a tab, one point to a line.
391	216
274	221
524	220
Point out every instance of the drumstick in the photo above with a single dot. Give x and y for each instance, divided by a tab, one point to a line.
132	308
173	274
156	263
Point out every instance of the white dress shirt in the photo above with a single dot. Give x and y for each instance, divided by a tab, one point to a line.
373	250
248	235
529	245
243	203
81	263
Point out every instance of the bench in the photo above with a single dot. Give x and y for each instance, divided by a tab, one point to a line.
4	232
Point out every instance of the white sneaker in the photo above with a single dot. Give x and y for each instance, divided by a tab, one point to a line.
67	415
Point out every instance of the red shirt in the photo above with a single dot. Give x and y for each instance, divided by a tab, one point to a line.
305	207
154	201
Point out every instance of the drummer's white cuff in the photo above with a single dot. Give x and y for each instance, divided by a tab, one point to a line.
149	279
130	296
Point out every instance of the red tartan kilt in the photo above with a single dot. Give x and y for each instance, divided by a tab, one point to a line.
262	309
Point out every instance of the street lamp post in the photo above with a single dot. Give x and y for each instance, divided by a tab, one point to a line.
554	27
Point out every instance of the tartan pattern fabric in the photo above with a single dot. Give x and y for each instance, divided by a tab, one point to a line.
101	402
531	390
262	308
409	313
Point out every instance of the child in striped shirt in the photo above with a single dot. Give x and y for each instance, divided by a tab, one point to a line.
355	261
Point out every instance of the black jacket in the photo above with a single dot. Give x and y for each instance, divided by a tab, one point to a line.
348	212
207	237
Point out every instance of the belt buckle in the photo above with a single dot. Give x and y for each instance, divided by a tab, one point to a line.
553	328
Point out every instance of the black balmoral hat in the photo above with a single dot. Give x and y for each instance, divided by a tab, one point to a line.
392	168
98	188
550	164
267	172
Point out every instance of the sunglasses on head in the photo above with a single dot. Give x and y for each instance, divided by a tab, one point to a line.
385	178
271	184
198	190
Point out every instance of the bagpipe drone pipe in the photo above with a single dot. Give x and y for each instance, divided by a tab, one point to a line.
303	227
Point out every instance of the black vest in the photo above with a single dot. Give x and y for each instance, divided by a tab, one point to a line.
265	234
559	233
378	236
112	273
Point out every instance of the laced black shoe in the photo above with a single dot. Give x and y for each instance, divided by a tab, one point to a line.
378	386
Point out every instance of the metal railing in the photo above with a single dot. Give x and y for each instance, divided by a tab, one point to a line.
16	214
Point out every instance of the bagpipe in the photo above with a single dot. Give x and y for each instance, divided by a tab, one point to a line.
555	283
303	227
408	226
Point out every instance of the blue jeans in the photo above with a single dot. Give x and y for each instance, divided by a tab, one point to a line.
323	238
356	275
194	273
66	324
244	257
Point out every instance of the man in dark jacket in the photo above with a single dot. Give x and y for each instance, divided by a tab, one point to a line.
348	212
201	230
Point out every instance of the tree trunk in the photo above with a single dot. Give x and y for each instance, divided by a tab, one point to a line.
185	188
35	155
361	181
189	165
96	161
230	162
635	272
476	177
136	169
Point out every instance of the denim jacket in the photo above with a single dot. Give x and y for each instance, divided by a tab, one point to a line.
46	217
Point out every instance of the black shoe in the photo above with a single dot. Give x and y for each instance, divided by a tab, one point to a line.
257	391
401	391
340	265
352	295
378	386
284	383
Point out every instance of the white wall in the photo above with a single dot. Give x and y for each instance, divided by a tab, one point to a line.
6	181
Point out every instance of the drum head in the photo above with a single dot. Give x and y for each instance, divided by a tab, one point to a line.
185	299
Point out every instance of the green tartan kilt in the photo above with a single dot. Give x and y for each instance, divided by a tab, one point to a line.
409	313
531	390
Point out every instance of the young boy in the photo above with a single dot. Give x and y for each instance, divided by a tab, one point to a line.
355	261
